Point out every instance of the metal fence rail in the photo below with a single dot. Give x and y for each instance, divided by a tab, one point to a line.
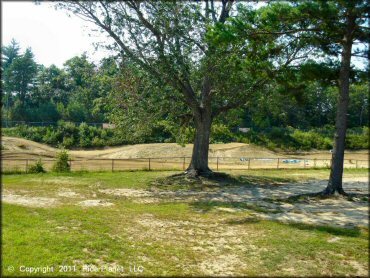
179	163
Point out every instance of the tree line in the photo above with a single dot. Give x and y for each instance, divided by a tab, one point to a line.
33	92
83	91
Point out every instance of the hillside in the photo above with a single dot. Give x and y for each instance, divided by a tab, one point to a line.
13	147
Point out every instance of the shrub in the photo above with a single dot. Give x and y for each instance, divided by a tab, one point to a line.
84	135
311	140
51	137
97	142
68	135
61	164
271	145
38	167
221	134
68	142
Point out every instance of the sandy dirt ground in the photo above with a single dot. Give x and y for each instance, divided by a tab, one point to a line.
336	211
21	148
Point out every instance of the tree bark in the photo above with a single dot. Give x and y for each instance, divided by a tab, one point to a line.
199	159
336	171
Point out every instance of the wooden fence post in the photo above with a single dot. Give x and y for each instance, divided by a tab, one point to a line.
217	163
26	165
278	163
249	163
149	164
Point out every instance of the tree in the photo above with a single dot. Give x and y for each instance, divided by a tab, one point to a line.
9	54
21	75
343	29
84	88
359	105
51	85
191	55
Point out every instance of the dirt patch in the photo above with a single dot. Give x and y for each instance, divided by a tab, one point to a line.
263	201
149	200
209	239
28	201
361	270
221	265
356	179
95	203
127	192
135	195
68	193
70	181
333	239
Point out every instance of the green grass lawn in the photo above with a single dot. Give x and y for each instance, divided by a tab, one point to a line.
166	238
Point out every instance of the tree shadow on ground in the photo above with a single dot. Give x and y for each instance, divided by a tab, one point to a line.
183	180
307	197
246	220
263	181
216	180
337	231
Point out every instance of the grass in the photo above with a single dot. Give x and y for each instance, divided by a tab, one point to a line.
169	238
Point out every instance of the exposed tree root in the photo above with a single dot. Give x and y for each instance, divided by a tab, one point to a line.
195	179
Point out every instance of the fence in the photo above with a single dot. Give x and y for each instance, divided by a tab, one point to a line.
6	123
180	163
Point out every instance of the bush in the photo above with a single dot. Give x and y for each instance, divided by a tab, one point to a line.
38	167
68	142
97	142
221	134
358	141
68	135
61	164
311	140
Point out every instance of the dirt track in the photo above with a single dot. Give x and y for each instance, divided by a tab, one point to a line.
22	148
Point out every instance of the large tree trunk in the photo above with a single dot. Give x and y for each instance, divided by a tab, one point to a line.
199	159
336	172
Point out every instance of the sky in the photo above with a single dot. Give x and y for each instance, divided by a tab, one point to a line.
53	36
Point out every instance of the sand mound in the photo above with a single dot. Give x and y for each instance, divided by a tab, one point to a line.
22	148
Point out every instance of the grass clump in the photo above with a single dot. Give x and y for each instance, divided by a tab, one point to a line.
38	167
61	164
